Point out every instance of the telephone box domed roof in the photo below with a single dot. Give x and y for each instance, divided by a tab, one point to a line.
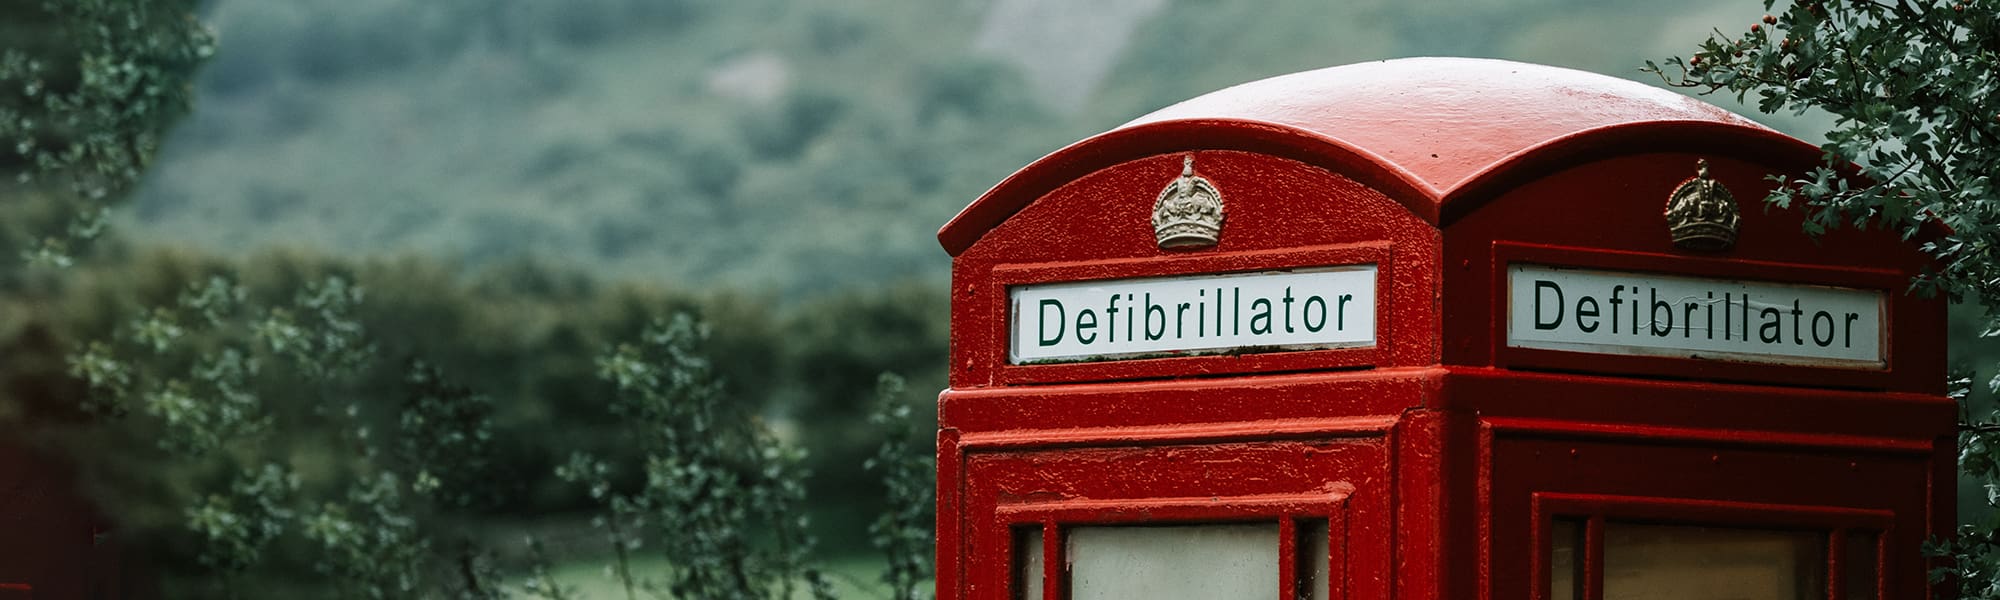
1427	131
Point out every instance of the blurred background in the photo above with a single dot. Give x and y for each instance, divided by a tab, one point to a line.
518	185
784	148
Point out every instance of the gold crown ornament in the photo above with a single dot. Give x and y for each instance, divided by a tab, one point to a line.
1701	214
1188	213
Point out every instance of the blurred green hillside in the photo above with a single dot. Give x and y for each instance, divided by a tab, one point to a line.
777	146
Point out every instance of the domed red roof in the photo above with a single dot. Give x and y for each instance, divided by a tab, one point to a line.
1421	129
1445	119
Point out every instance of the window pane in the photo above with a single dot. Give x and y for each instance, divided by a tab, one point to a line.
1858	565
1313	558
1174	562
1028	563
1566	541
1672	562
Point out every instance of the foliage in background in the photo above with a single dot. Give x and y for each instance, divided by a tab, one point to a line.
87	91
722	497
905	531
231	388
1911	86
834	348
473	455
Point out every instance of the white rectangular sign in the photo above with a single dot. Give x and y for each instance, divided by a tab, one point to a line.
1658	315
1332	307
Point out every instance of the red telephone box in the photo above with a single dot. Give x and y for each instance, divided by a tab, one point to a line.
1434	328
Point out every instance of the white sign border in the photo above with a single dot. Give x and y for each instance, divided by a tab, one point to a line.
1883	307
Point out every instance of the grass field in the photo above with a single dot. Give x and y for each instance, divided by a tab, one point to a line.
853	576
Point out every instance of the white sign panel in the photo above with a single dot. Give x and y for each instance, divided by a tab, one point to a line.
1656	315
1126	318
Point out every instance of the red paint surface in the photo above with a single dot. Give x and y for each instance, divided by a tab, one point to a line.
52	544
1440	450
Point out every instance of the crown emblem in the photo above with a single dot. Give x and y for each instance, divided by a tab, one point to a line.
1701	214
1188	213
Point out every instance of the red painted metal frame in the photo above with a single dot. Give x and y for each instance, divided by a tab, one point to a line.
1187	411
1054	518
1595	509
1156	427
1767	482
1874	450
1331	478
1607	406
